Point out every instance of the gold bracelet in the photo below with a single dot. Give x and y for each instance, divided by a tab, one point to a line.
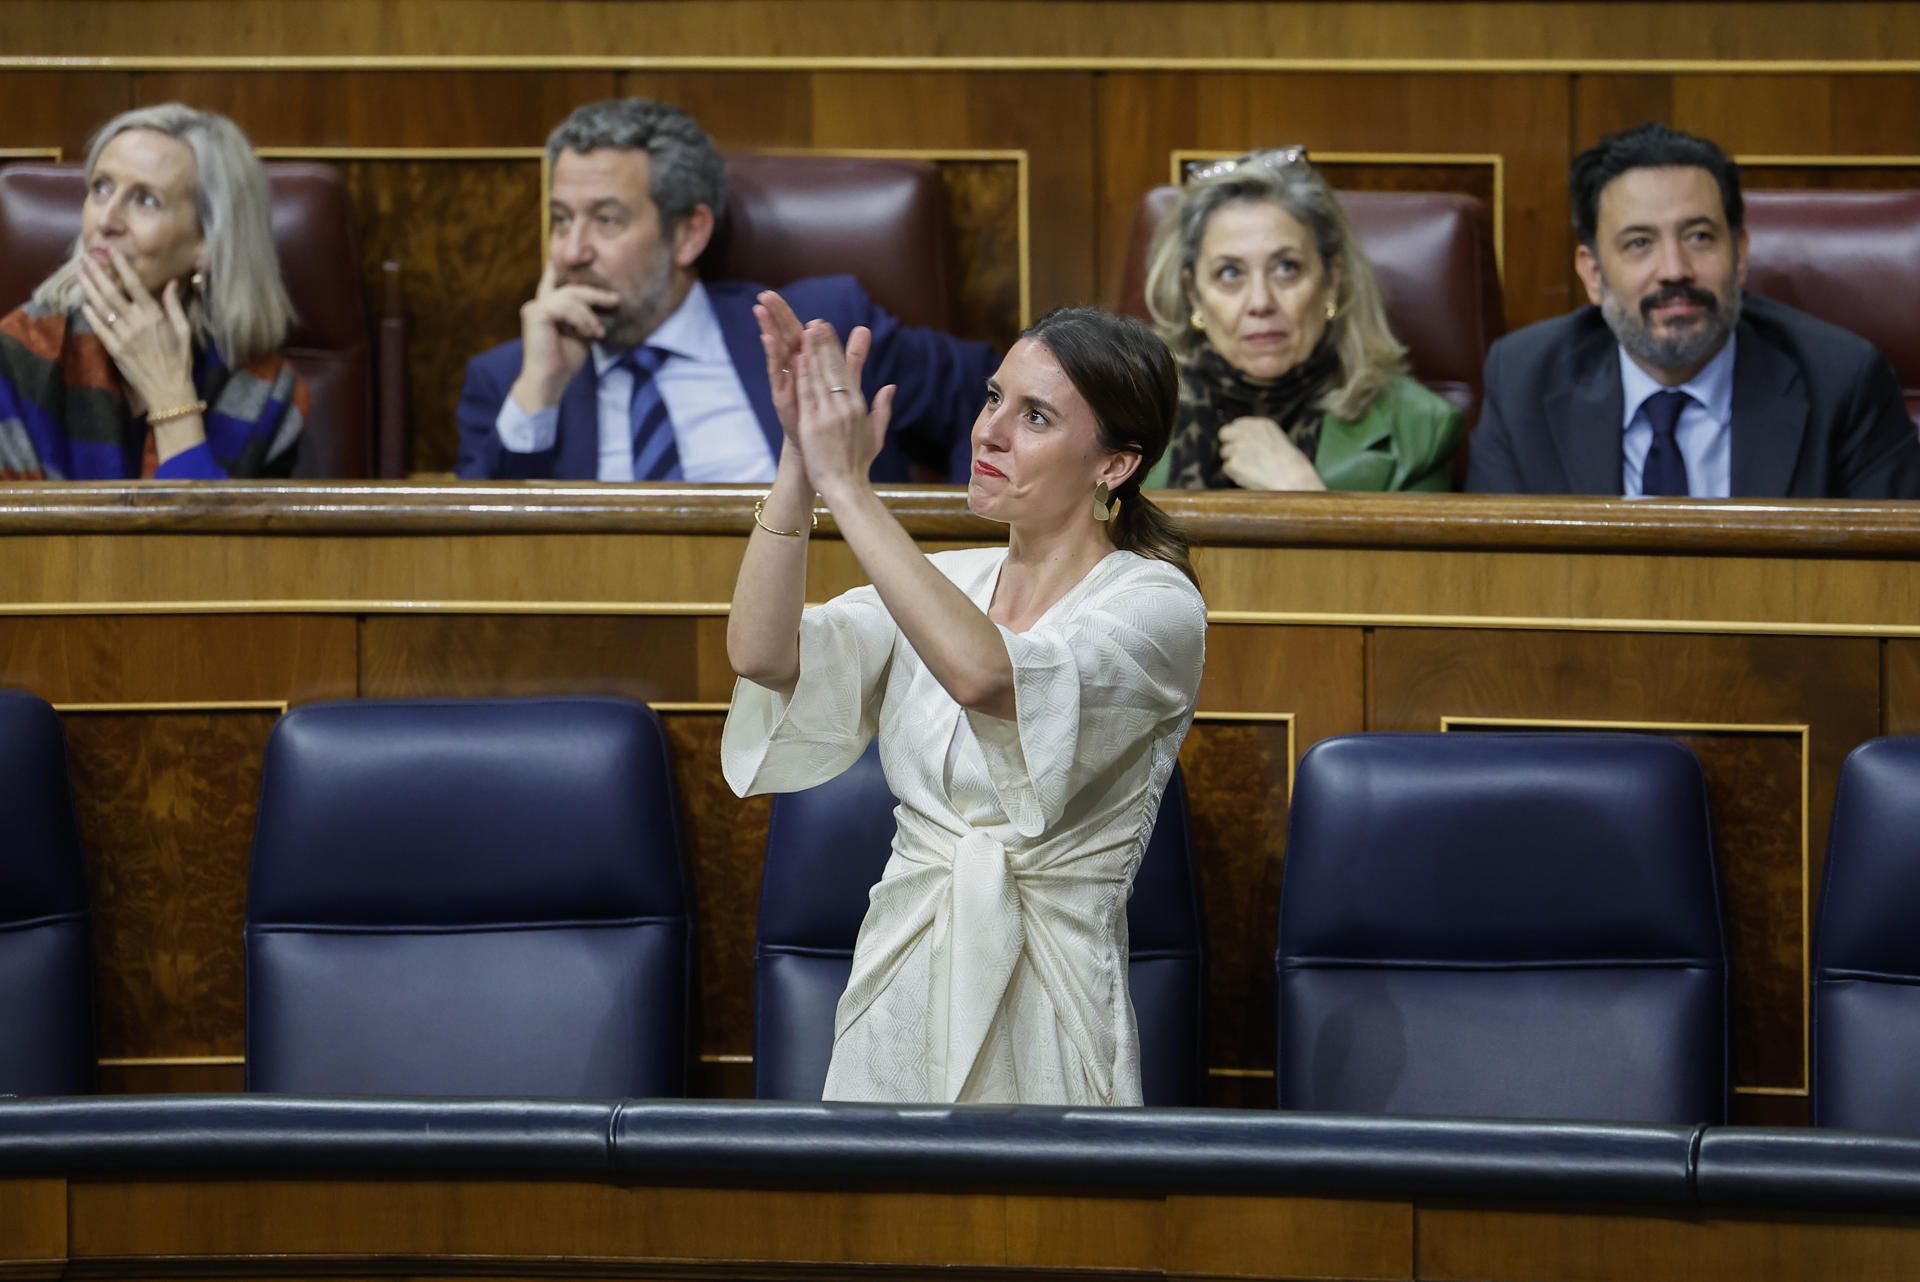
760	505
156	417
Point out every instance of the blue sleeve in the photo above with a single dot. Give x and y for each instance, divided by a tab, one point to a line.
195	464
480	399
942	384
1491	466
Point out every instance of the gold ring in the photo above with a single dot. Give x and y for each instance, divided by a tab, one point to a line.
839	389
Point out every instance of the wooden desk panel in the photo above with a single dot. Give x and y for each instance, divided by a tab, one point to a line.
1770	637
304	1227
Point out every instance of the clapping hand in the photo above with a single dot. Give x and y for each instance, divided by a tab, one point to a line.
837	434
782	337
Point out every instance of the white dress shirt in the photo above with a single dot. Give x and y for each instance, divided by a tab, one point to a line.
714	427
1704	433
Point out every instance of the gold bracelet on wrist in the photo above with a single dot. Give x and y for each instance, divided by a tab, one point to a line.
760	506
156	417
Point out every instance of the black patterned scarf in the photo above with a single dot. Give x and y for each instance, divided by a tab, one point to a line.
1213	392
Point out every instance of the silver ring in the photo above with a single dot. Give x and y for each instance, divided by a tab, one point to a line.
785	370
839	389
113	318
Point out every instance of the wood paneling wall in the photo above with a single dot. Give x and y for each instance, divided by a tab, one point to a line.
173	624
1493	99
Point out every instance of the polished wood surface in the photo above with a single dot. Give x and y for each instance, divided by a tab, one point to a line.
1505	1245
1422	30
173	623
291	1226
33	1228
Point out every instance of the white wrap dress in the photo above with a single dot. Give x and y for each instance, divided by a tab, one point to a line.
992	963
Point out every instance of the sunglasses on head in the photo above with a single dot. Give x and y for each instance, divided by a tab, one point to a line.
1275	158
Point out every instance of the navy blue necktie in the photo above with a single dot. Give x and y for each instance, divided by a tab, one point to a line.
656	456
1665	471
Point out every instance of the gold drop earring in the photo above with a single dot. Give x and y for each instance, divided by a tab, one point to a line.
1103	502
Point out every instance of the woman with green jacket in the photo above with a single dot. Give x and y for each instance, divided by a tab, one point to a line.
1289	377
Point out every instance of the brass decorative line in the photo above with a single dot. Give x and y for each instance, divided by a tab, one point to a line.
170	1061
1016	156
1255	1073
275	706
977	62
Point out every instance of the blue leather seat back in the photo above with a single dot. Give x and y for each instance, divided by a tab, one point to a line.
1502	925
827	846
46	1016
1866	974
468	897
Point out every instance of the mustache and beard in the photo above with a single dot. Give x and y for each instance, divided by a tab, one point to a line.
1693	343
642	306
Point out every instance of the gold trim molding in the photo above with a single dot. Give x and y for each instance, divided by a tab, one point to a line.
1799	730
804	63
1017	156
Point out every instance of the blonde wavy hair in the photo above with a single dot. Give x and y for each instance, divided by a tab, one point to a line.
1370	356
244	311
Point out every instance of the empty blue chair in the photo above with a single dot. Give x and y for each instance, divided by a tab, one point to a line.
1502	925
1866	973
46	1017
468	897
828	845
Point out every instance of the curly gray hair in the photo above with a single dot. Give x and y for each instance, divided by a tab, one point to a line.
685	169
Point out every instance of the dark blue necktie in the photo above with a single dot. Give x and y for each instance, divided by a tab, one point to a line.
1665	471
656	457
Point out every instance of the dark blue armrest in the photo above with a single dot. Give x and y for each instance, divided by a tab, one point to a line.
194	1133
1810	1170
1154	1148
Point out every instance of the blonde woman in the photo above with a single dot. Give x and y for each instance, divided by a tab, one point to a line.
154	351
1289	377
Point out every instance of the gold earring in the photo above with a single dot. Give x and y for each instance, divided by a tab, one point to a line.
1103	502
1198	321
198	280
1333	309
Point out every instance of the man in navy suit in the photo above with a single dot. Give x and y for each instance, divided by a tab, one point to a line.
1674	382
628	367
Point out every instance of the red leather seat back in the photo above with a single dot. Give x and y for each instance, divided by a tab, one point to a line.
1852	258
881	221
1433	254
40	217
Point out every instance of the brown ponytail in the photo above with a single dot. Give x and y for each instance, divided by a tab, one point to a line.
1127	377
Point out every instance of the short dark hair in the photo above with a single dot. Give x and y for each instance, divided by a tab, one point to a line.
1128	379
1648	146
685	167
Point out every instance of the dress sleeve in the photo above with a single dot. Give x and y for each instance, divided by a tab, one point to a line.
1092	692
772	744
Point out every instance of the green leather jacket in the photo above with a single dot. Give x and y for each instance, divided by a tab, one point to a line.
1403	442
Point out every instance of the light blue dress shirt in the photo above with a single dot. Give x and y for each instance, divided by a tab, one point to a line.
1704	433
714	427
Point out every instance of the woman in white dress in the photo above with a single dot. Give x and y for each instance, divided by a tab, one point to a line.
1030	701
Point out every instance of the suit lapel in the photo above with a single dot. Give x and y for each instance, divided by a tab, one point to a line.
579	427
1584	422
733	309
1769	417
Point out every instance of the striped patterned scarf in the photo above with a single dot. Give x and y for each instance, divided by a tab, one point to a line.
64	414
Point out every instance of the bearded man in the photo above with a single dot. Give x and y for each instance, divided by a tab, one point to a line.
1675	382
629	368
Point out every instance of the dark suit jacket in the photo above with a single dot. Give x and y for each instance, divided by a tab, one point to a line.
1817	413
942	384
